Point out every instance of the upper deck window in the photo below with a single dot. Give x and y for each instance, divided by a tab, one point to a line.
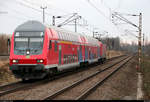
29	34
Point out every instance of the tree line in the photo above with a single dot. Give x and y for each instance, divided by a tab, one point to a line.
114	43
3	43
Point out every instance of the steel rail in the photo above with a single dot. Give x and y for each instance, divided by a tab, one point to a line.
10	84
2	93
4	55
21	87
93	88
78	82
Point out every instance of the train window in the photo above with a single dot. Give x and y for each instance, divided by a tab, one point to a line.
50	44
69	37
56	46
76	59
80	47
72	38
65	35
73	58
64	38
62	35
69	46
58	34
70	58
64	59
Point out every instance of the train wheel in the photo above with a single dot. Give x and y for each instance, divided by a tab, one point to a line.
23	80
102	61
86	65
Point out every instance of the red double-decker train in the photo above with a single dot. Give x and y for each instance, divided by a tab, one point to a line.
38	50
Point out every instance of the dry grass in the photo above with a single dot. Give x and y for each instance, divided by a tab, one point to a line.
112	53
3	43
6	75
146	78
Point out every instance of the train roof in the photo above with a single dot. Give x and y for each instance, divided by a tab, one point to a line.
83	38
62	33
31	26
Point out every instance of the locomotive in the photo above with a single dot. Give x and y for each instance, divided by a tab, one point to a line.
38	50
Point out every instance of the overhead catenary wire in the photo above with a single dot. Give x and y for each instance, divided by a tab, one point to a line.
35	4
101	12
18	12
118	16
48	6
16	17
35	9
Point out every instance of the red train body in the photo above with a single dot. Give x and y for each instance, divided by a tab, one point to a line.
38	50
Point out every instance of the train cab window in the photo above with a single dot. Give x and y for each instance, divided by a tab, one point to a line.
56	46
50	44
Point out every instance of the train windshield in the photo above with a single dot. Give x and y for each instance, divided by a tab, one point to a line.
32	44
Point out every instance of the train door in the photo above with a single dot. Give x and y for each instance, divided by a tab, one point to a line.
98	52
86	53
91	53
80	54
59	54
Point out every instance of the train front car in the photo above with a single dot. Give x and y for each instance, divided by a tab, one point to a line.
28	47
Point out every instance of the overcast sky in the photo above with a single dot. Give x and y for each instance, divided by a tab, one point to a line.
19	11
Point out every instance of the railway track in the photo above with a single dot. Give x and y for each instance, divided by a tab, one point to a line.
4	55
13	87
75	92
17	86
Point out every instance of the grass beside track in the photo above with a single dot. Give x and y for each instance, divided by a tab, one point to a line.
6	75
146	76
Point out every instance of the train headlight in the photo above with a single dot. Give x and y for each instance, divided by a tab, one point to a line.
40	61
15	61
28	52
